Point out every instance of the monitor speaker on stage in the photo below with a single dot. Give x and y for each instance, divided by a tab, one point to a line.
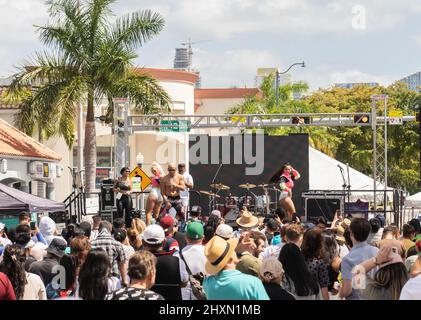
107	194
317	206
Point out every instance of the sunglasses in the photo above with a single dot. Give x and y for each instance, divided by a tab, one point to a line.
171	169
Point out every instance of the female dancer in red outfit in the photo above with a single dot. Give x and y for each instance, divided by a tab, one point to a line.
286	184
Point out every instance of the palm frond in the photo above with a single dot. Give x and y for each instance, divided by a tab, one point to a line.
133	30
144	91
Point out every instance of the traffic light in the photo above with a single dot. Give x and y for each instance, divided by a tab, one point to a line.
362	118
300	120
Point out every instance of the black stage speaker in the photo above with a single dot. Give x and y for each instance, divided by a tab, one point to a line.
326	206
107	194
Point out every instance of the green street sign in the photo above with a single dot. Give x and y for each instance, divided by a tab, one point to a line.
175	126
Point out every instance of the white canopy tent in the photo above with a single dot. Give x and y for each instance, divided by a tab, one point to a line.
326	175
413	201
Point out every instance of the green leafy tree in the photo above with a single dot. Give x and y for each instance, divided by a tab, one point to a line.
91	58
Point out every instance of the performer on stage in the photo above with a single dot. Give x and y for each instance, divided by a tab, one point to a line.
286	183
155	199
123	187
171	185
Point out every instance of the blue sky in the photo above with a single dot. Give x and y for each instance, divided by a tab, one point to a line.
246	34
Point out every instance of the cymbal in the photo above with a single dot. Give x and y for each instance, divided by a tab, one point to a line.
219	186
211	194
263	185
247	186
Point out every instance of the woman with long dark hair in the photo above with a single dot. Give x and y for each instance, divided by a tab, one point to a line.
312	252
27	286
298	280
94	279
331	256
123	187
286	177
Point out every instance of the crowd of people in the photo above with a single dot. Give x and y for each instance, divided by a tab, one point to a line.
257	258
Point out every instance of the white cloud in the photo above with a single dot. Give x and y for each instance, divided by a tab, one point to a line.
233	67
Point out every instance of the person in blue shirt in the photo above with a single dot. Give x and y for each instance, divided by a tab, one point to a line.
361	251
225	282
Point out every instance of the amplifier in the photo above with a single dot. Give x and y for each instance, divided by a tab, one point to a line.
325	206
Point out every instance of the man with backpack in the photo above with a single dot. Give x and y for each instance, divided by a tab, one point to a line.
194	257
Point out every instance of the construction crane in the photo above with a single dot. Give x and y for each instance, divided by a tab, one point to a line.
189	45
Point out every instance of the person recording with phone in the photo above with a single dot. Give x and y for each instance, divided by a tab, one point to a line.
123	187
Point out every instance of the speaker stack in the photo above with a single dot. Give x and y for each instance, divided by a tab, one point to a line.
322	204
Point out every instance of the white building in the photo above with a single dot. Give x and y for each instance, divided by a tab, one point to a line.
25	163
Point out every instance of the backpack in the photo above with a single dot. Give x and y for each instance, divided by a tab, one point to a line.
196	282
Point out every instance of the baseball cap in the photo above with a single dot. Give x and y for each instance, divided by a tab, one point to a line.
194	230
224	231
166	222
216	213
271	269
153	234
197	209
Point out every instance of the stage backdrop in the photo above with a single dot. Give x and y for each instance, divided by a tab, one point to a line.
268	154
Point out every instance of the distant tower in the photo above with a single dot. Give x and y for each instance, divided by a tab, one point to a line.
183	59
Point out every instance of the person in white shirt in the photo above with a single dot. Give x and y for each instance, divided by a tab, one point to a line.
193	255
188	180
412	289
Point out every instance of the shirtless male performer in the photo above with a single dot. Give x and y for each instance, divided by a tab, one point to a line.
171	185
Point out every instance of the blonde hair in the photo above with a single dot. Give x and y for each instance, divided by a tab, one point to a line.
139	225
157	167
134	238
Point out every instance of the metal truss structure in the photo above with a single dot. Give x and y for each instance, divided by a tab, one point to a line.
200	121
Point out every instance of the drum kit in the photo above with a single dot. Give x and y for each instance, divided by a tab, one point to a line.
234	204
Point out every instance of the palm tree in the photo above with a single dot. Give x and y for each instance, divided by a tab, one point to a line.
91	59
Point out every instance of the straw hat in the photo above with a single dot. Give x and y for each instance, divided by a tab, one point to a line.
218	252
247	220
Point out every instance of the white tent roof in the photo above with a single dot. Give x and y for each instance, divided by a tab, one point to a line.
413	201
326	175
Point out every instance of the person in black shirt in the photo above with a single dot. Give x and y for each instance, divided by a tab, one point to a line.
142	272
271	273
171	274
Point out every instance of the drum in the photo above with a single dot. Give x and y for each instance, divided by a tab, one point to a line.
246	201
222	209
231	202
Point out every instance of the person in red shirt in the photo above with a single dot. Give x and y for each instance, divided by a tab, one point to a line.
170	244
6	288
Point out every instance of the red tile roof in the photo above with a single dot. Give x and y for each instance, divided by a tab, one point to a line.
170	74
17	144
4	105
228	93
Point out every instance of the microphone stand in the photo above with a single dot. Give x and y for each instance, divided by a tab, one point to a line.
349	184
214	189
344	185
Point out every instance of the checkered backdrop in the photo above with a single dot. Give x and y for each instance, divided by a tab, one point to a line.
277	150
